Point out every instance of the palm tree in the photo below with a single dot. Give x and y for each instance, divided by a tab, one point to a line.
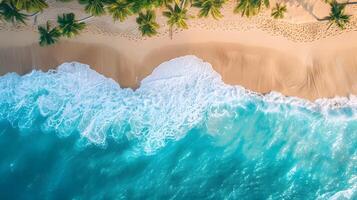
165	2
279	11
70	27
140	5
184	3
11	14
119	9
337	15
250	7
94	7
147	23
209	7
177	16
30	5
48	35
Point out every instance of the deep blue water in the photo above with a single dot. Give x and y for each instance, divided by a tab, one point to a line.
184	134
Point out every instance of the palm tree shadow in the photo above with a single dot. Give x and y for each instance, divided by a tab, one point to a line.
308	6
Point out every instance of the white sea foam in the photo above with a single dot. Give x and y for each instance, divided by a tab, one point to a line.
170	102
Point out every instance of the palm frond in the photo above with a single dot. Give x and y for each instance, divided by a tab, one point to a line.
48	35
140	5
177	16
30	5
337	15
209	7
93	7
11	14
250	8
69	27
278	11
119	10
147	23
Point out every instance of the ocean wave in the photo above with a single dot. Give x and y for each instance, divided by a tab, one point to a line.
261	139
175	98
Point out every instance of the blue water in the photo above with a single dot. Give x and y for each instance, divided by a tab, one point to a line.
184	134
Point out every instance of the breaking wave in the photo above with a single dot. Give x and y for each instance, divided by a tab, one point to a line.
182	134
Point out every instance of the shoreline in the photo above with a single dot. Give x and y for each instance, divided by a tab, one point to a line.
253	59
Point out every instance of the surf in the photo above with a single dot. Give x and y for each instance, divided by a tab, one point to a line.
183	119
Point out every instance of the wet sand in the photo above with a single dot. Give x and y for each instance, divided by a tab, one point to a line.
253	59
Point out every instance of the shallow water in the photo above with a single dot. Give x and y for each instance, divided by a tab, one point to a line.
184	134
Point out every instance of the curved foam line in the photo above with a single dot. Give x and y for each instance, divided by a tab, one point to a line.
171	101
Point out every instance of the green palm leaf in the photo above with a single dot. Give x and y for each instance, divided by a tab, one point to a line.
279	11
147	23
69	27
209	7
94	7
337	15
185	3
176	16
11	14
165	2
30	5
48	35
140	5
119	9
250	8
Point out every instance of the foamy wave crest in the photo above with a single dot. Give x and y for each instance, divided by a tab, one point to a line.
75	98
179	95
238	143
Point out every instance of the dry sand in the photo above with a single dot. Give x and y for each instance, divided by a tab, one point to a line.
295	58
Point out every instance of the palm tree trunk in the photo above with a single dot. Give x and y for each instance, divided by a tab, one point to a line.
320	19
85	19
310	11
35	15
183	3
35	20
350	3
329	26
317	18
171	32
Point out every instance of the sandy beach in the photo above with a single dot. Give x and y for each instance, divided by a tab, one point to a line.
296	56
185	130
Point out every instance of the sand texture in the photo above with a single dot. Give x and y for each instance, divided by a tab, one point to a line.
297	56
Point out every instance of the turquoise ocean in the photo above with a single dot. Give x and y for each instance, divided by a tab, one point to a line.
72	133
